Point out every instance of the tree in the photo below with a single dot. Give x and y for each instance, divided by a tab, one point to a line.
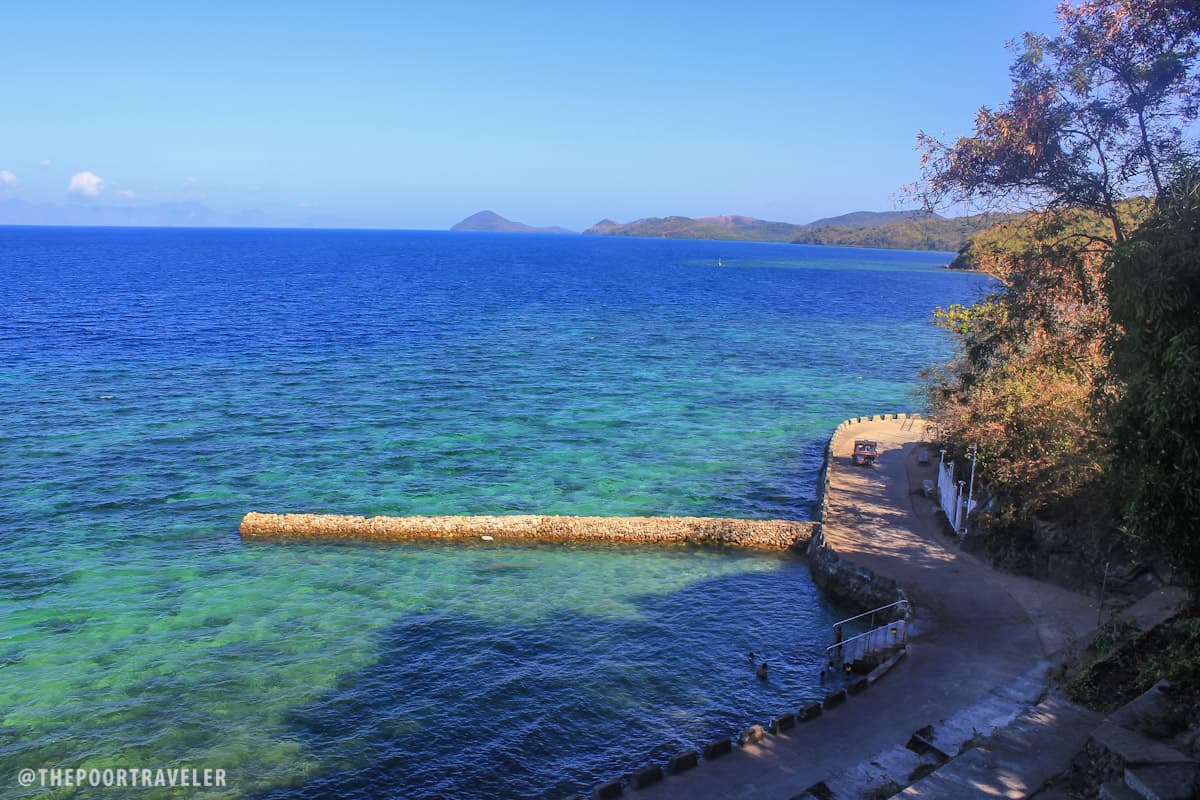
1096	114
1024	386
1154	294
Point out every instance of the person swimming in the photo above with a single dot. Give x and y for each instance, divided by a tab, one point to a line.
762	671
751	656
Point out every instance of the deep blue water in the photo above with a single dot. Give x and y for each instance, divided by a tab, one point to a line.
157	384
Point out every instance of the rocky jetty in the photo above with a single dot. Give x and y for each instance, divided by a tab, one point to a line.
771	534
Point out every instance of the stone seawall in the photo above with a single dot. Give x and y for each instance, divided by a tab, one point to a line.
835	575
772	534
840	578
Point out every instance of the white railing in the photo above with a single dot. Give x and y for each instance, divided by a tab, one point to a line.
876	638
900	605
952	497
948	492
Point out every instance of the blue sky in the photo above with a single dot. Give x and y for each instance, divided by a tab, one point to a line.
414	115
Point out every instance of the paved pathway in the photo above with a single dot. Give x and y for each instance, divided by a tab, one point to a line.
975	630
1018	760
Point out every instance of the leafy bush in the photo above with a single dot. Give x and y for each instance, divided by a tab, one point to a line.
1154	294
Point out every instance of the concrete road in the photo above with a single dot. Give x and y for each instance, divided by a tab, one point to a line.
975	629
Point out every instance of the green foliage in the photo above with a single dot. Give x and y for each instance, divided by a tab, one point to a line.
923	233
1154	294
1113	635
1095	113
1040	448
991	249
1024	386
1176	660
959	319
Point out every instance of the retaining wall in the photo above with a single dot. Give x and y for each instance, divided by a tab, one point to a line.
835	575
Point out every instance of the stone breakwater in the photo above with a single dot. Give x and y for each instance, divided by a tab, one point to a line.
835	574
770	534
859	586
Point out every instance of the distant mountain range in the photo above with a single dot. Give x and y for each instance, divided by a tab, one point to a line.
908	230
491	222
869	219
911	230
15	211
728	227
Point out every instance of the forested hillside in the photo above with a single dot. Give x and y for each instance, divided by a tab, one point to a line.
1078	377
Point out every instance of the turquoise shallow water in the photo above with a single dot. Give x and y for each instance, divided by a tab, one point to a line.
155	385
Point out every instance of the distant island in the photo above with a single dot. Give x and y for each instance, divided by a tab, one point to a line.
731	227
900	230
905	230
491	222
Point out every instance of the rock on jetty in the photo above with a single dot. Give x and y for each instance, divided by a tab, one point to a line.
773	534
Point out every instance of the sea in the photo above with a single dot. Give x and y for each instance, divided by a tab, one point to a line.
157	384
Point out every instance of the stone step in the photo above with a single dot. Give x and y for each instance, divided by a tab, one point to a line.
1163	781
1015	761
1132	748
1117	790
921	743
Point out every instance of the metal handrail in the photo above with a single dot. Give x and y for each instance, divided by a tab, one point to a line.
865	643
898	629
872	612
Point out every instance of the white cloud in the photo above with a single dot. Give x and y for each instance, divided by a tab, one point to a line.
85	183
7	179
46	162
126	194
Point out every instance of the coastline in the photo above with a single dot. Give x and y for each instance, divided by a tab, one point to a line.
835	575
980	642
980	645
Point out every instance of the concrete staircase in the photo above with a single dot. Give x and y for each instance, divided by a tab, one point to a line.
948	760
1157	782
1113	759
1133	766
